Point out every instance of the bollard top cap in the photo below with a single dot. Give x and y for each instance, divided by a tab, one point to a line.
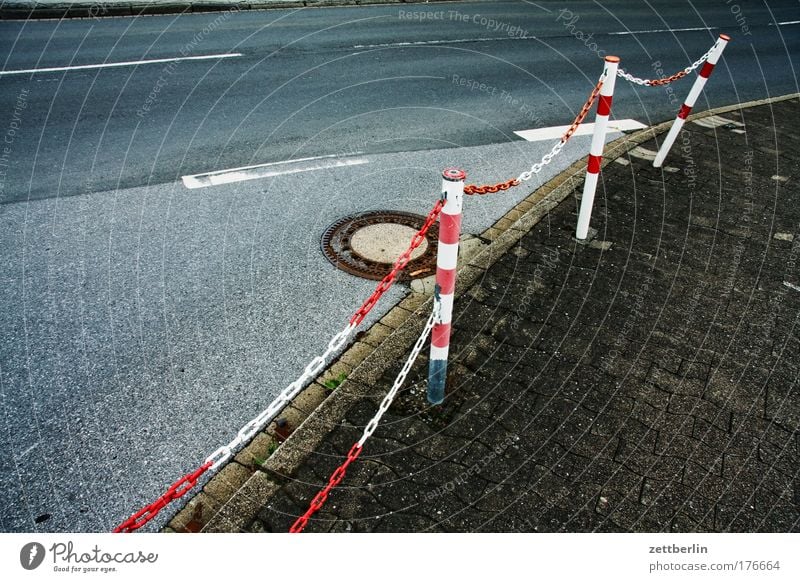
612	59
724	37
454	175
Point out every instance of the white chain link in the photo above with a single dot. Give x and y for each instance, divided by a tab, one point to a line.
249	430
401	377
646	82
546	159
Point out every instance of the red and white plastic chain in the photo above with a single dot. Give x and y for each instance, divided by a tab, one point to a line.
336	477
311	371
399	265
666	80
548	157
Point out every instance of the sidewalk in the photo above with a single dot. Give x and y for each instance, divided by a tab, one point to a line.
645	382
22	9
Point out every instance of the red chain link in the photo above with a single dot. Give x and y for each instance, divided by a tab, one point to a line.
490	189
666	80
584	111
321	497
399	265
176	490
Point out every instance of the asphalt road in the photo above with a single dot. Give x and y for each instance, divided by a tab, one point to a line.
143	322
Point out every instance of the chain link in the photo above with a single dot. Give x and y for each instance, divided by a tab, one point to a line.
472	189
666	80
176	490
320	498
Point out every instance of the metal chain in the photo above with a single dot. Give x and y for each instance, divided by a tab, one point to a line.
320	498
556	149
666	80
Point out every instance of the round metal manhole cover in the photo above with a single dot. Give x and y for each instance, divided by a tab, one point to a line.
368	244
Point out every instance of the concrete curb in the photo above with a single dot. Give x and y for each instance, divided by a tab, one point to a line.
83	9
233	496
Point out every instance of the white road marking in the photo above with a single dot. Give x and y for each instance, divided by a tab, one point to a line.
506	38
555	132
537	6
791	286
269	170
656	30
435	42
121	64
713	121
643	153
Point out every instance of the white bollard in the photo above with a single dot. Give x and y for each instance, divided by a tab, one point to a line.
596	151
446	263
686	108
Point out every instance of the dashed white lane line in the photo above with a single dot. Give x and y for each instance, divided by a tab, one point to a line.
120	64
555	132
402	44
435	42
269	170
658	30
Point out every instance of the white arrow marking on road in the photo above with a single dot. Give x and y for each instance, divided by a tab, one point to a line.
121	64
555	132
269	170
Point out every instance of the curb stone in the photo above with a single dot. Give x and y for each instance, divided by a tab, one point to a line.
316	413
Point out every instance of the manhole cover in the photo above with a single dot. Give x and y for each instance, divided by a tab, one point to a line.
368	244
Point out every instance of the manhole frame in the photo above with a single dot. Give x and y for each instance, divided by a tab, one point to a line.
422	266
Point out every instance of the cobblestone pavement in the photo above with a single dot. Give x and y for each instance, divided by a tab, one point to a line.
647	381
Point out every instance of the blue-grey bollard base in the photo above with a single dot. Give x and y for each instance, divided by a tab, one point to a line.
437	374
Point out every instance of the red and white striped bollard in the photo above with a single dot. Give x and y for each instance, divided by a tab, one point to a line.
446	263
694	93
596	150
